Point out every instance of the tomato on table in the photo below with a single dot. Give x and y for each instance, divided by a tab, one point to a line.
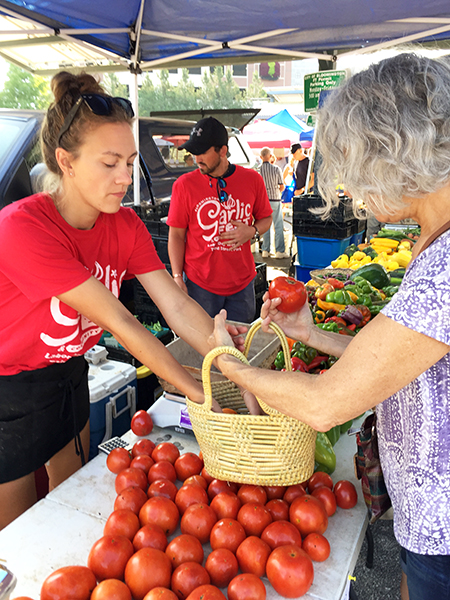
147	568
279	509
130	476
292	293
166	451
144	446
188	464
206	592
109	555
122	521
163	487
198	520
246	586
160	511
226	504
308	514
160	593
187	577
318	479
162	469
293	491
252	555
142	461
252	493
346	494
227	533
188	495
185	548
111	588
131	498
150	536
141	423
290	571
316	546
281	533
327	497
254	518
69	582
222	566
118	460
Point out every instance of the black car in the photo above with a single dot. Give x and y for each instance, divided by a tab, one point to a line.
161	159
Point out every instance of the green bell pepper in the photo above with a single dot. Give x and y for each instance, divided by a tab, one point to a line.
324	454
339	297
279	362
334	434
330	326
304	352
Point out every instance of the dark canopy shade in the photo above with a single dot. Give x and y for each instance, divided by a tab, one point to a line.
149	34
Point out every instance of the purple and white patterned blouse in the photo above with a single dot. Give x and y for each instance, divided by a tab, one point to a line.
414	423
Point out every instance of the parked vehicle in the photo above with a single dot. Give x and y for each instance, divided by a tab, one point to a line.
161	159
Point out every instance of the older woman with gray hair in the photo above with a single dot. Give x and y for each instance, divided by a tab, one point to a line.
385	135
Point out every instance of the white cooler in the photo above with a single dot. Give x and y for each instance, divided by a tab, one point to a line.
112	390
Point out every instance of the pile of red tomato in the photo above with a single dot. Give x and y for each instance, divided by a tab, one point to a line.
253	531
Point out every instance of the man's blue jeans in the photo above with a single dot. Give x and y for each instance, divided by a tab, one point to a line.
277	225
240	306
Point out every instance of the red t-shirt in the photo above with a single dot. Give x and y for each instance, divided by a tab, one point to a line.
42	256
195	206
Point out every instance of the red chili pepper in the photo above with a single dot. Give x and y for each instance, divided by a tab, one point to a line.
316	361
298	364
335	319
338	285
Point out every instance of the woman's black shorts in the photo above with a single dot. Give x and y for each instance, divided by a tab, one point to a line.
41	411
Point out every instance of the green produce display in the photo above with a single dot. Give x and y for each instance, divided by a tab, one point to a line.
324	455
375	273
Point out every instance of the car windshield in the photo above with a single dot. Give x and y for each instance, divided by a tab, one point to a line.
175	157
10	130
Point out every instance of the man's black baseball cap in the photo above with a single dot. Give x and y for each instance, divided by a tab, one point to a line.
206	133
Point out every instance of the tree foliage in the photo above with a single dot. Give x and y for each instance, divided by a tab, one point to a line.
25	90
218	91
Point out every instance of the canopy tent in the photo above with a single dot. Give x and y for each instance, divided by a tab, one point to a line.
285	119
264	133
147	34
113	35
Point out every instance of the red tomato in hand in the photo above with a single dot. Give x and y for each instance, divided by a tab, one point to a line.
69	582
118	460
346	494
308	514
328	498
185	548
252	555
290	571
147	568
316	546
141	423
292	293
246	587
109	556
222	566
111	588
187	577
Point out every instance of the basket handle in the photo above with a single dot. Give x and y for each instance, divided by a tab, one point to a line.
276	329
208	360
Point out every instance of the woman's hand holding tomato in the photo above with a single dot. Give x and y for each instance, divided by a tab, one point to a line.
296	325
291	291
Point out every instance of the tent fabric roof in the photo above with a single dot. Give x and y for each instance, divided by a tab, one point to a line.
193	32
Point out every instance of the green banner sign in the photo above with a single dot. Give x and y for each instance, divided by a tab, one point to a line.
314	83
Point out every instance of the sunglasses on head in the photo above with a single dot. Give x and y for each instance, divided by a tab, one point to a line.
100	105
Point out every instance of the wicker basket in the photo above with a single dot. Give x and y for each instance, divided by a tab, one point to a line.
270	449
321	275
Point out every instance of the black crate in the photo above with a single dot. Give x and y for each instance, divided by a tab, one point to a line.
157	228
260	281
323	229
359	226
161	246
339	215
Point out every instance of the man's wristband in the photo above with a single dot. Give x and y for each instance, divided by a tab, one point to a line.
177	275
256	229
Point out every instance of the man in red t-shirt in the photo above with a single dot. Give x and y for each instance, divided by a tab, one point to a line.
214	213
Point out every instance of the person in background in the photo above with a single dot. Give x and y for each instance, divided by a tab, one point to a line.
300	168
215	211
394	155
64	254
189	160
273	180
